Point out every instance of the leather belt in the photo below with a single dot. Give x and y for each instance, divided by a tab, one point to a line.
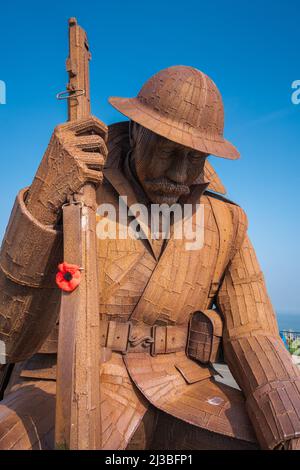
125	337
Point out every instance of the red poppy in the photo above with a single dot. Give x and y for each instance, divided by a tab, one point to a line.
68	277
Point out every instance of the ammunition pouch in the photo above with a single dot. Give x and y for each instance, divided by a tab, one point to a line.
205	336
30	250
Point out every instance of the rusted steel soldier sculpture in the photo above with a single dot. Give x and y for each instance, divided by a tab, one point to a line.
165	311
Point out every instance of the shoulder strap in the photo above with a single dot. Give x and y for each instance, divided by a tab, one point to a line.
223	218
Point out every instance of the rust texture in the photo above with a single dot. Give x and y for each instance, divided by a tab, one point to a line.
165	312
205	336
196	122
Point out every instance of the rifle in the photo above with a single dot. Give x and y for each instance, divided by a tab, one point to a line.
78	420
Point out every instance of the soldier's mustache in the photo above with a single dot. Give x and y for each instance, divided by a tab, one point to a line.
164	185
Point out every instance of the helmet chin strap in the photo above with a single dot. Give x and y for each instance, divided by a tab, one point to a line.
131	133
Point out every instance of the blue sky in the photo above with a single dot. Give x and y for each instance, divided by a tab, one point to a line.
249	48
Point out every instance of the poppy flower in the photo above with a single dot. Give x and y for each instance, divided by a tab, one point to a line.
68	277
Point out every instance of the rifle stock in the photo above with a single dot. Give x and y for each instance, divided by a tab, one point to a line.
78	420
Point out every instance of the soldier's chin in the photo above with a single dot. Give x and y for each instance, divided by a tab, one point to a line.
163	198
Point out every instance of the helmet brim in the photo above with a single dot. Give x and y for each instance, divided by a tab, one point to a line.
152	120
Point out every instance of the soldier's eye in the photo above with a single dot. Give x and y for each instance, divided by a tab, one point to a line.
195	157
166	152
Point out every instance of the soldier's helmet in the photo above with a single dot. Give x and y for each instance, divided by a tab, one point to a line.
184	105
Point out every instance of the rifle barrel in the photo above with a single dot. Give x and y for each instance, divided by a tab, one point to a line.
78	419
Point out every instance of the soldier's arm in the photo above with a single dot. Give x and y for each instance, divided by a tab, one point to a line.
32	245
256	354
29	301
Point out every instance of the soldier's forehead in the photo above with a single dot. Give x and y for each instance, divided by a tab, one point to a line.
164	142
171	143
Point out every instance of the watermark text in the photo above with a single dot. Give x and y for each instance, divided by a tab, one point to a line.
2	92
296	94
160	221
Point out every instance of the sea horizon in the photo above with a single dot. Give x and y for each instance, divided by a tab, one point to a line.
288	321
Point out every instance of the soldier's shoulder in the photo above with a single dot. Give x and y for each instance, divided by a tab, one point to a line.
213	196
221	203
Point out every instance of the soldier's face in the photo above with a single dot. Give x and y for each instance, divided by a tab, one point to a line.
164	168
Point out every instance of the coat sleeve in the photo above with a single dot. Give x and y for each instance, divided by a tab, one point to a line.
29	298
256	354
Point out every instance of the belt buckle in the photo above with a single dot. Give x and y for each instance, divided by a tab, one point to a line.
134	341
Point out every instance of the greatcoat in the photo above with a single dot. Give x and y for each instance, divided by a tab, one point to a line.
150	296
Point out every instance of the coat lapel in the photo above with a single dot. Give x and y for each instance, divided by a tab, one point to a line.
175	280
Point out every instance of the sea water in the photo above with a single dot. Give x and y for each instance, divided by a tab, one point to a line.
288	321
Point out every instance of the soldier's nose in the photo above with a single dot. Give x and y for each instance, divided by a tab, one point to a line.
177	170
